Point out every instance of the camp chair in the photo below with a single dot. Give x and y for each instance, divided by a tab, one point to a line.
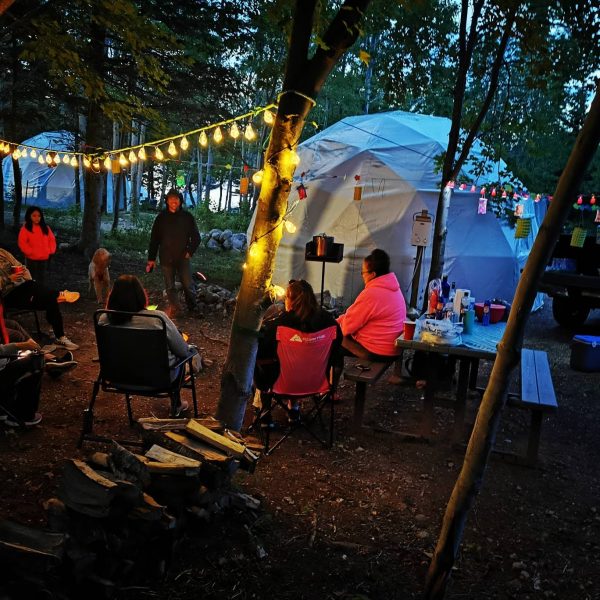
135	361
305	380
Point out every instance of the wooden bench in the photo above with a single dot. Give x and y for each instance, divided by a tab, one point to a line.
363	372
537	394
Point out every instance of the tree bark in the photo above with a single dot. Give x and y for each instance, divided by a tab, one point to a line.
18	193
304	78
482	438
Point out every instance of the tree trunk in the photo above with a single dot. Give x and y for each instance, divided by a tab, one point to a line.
484	432
451	167
92	210
209	163
199	184
303	80
18	197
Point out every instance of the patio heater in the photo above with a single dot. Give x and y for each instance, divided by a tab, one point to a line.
421	233
323	249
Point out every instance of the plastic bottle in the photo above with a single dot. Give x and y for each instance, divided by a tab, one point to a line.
485	318
445	286
433	300
464	305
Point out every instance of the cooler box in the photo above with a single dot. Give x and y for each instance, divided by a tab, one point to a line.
585	353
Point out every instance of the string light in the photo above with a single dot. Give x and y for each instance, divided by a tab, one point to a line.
132	157
249	132
122	160
257	177
268	117
41	159
86	162
290	227
52	157
108	163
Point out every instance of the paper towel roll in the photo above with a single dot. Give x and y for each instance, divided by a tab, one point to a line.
458	299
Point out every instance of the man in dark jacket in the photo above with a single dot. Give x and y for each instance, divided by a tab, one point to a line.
175	238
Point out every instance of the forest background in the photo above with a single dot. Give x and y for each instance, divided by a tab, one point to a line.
122	73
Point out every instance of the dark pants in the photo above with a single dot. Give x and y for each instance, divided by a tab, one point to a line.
30	295
37	268
184	270
21	384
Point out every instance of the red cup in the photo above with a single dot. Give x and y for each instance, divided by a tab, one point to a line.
409	330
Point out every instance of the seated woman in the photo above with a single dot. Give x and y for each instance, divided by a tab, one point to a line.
20	379
303	314
129	295
376	318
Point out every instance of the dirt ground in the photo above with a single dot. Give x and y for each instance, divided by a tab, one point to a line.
358	521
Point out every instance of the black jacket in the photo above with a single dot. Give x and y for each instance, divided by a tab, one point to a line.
173	234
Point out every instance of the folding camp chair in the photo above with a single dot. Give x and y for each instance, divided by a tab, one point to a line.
134	360
304	386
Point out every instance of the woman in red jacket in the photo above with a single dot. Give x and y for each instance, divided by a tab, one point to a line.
37	243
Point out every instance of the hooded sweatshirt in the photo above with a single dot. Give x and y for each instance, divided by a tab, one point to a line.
377	316
35	244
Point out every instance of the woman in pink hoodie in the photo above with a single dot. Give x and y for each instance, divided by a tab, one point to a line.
372	324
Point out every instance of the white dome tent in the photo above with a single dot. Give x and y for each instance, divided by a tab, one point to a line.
394	154
50	187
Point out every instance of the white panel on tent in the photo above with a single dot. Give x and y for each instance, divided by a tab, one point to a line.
395	155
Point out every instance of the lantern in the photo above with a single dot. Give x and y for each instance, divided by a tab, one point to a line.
482	206
302	192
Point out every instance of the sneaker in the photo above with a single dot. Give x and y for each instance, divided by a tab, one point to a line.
37	417
181	408
66	296
65	342
61	365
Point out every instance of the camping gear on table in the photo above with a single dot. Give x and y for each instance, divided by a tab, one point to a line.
585	353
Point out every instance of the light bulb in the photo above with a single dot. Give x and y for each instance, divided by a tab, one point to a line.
218	135
41	159
158	154
142	153
108	163
171	149
234	132
245	266
24	153
184	144
202	139
290	227
74	161
16	154
33	153
122	160
86	162
66	159
268	117
132	157
96	165
257	177
49	159
249	133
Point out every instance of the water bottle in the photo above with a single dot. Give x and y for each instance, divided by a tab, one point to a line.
485	319
445	286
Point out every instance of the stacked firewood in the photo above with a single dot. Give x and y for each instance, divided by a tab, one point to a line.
118	514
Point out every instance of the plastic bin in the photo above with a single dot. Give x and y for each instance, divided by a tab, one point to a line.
585	353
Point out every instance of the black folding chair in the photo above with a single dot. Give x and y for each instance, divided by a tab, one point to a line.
134	361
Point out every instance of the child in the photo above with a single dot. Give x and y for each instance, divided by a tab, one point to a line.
37	242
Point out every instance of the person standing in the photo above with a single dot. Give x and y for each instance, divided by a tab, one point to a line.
175	238
37	243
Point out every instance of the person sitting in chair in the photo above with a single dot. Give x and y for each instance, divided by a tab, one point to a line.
376	318
129	295
301	313
19	291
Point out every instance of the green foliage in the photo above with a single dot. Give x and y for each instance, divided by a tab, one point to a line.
236	221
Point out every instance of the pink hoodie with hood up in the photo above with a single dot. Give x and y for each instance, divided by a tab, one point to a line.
376	318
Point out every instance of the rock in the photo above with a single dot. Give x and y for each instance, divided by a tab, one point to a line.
212	244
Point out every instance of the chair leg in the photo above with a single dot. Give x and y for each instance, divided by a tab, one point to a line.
129	411
88	415
193	387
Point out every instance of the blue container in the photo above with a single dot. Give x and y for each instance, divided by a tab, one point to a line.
585	353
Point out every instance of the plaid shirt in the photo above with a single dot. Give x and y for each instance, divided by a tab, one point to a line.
7	261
